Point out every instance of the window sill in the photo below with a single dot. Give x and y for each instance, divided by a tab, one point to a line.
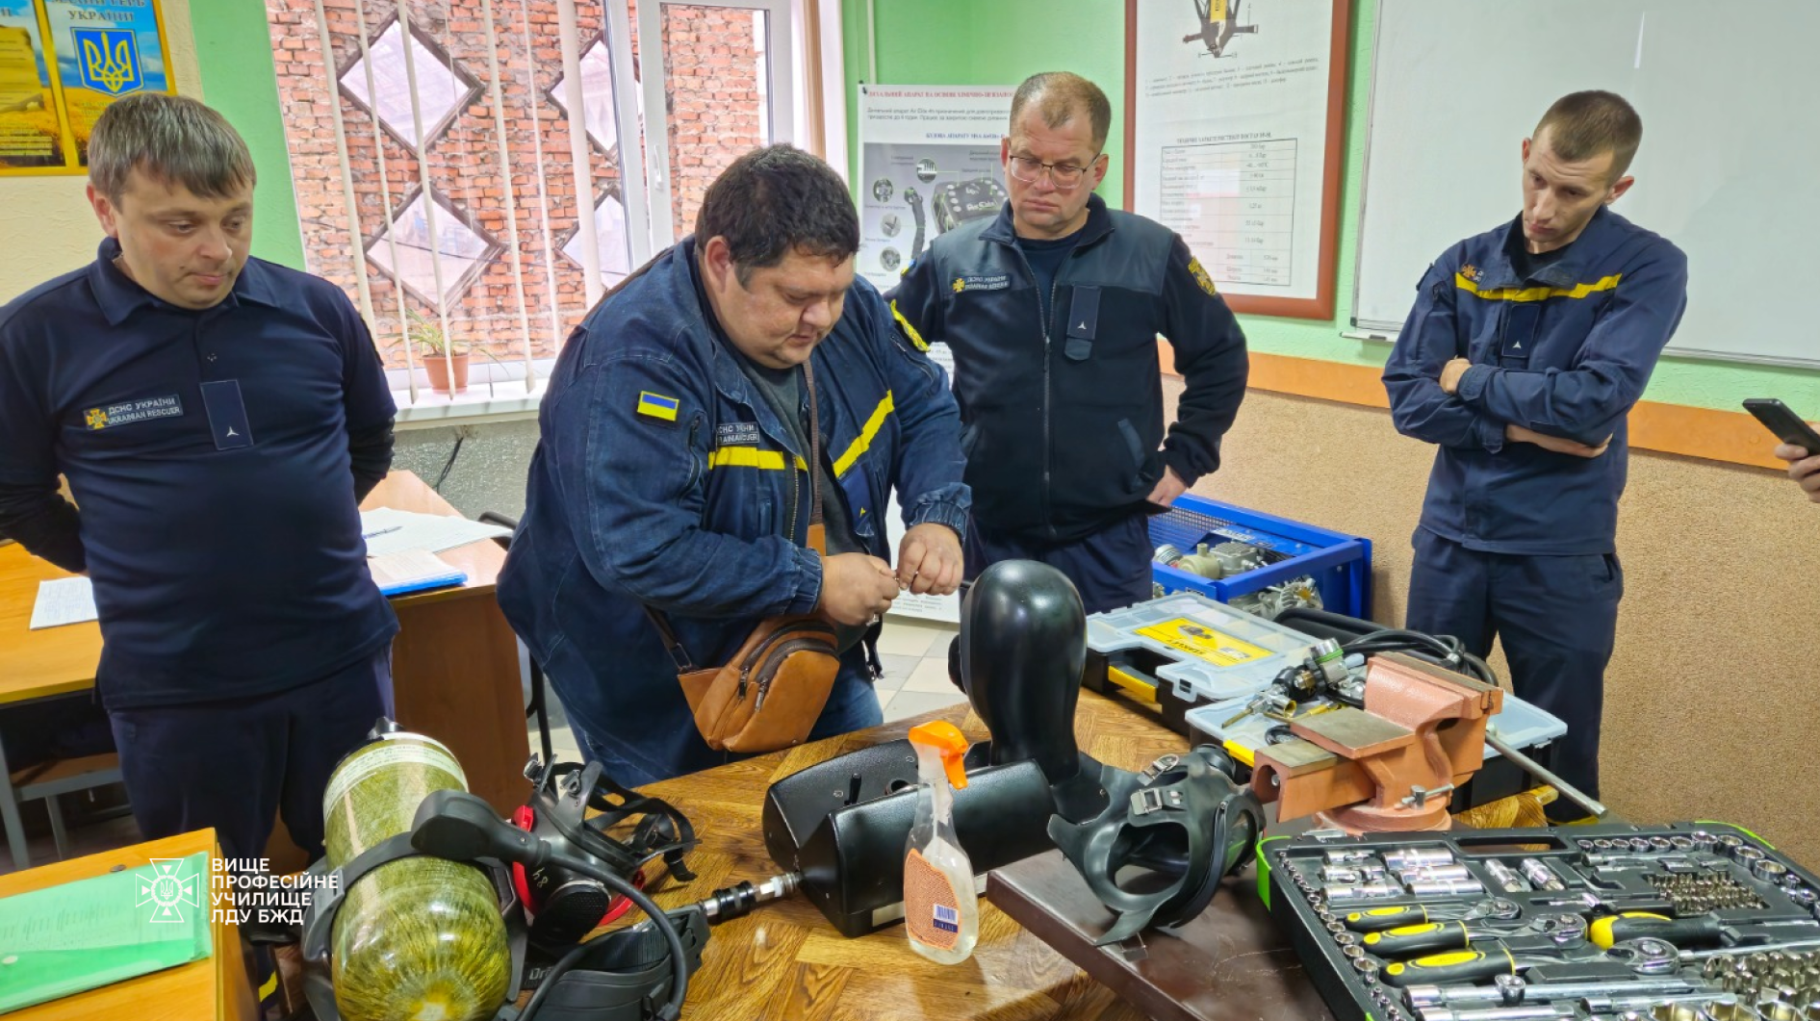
504	401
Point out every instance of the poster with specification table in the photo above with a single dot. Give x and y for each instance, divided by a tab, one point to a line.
1234	116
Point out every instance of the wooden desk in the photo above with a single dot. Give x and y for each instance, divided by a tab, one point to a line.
216	986
40	664
454	662
786	961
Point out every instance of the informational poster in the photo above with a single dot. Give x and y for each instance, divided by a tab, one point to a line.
1234	125
929	162
61	63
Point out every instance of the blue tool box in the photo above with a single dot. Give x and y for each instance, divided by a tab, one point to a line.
1339	564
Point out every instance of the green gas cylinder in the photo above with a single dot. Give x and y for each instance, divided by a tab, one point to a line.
419	939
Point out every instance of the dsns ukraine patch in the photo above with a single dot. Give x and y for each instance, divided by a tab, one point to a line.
1201	277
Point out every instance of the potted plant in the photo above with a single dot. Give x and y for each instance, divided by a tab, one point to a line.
441	357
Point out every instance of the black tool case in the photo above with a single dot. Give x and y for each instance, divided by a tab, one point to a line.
1745	899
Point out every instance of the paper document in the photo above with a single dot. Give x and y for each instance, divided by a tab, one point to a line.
93	932
388	531
413	570
63	601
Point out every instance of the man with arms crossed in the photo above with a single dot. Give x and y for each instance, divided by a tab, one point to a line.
1527	347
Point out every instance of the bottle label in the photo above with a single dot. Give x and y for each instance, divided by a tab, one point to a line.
931	909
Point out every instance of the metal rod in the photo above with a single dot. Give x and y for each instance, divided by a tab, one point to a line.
1533	768
570	37
385	194
358	255
496	94
425	195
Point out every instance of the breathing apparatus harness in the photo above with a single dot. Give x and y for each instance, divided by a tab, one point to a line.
559	876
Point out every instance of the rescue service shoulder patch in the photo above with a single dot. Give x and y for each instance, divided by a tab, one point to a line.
145	409
657	405
1470	272
1200	276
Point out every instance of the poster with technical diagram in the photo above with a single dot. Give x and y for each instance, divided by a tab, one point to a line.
61	63
1235	110
928	162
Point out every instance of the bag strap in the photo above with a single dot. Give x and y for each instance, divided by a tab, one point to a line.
817	538
678	654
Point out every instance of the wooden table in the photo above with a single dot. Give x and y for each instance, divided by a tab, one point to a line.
454	663
1229	963
216	986
455	660
786	961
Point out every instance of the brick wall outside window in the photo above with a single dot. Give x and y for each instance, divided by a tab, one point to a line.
712	90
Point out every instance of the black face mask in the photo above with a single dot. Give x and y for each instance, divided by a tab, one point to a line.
564	907
1174	831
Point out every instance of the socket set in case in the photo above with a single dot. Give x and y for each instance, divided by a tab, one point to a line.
1687	922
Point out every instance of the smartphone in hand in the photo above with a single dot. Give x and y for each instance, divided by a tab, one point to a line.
1784	423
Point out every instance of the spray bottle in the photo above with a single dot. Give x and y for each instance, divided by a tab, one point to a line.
941	908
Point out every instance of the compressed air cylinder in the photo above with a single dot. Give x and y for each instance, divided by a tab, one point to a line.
419	939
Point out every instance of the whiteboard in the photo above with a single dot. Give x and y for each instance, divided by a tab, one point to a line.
1729	169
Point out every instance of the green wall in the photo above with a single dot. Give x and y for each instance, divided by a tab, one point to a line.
957	42
991	42
234	47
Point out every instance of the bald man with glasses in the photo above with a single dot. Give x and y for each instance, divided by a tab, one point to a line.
1052	311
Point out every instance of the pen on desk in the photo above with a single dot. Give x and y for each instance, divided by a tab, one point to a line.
381	531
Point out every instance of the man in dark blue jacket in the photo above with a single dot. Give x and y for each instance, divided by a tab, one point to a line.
1052	312
673	468
218	418
1527	347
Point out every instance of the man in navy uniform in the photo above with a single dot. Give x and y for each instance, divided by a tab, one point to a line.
1527	347
1052	311
673	469
218	418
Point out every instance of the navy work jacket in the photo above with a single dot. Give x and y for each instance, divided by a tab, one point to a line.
663	478
1061	394
1565	352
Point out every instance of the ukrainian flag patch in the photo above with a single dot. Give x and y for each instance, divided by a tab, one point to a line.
657	405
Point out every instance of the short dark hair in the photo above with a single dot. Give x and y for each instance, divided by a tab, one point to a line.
1582	125
776	200
171	139
1059	95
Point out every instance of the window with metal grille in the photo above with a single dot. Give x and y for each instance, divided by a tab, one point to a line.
438	148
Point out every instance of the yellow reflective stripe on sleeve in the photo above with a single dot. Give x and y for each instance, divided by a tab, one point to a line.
1537	293
866	435
909	331
752	457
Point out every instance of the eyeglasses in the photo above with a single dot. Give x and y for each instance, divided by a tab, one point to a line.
1065	175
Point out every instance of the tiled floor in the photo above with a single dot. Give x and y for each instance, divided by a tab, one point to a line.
914	654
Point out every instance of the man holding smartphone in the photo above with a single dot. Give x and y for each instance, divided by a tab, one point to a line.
1527	347
1803	467
1800	445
